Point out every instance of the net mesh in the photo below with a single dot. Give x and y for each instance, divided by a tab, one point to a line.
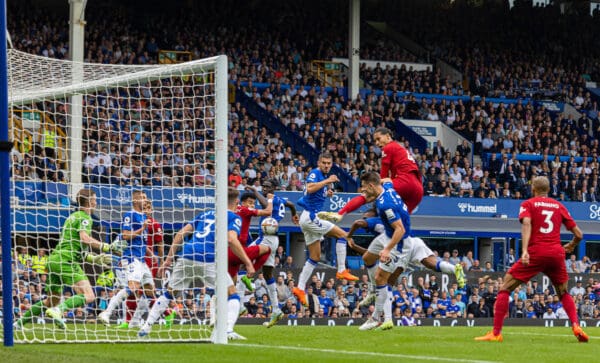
146	128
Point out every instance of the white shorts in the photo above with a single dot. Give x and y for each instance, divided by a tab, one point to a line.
314	229
377	245
186	271
138	271
414	250
272	242
120	278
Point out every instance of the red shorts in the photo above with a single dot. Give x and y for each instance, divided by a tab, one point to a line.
410	188
234	262
548	263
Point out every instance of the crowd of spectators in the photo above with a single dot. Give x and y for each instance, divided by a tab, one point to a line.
425	298
151	147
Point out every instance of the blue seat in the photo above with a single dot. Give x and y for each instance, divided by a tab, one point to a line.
354	262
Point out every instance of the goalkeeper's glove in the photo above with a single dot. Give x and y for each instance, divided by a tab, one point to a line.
101	259
114	248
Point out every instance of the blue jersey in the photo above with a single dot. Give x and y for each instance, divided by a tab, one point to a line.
375	225
390	209
201	246
313	202
278	213
136	248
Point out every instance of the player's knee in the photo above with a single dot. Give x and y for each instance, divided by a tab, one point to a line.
264	249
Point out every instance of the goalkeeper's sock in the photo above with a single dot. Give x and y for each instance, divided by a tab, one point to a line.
233	310
72	302
272	291
116	300
445	267
340	251
353	204
307	270
35	310
160	305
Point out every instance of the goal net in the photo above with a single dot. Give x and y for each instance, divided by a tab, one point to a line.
124	133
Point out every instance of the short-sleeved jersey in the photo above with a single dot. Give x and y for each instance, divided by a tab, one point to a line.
547	215
246	215
155	232
201	245
278	211
374	225
313	202
396	160
69	247
390	209
136	248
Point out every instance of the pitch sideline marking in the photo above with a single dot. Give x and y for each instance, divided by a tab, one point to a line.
374	354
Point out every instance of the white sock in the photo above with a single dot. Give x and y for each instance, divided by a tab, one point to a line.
142	307
387	306
382	296
446	267
341	250
272	291
116	301
371	273
240	286
307	270
160	305
233	310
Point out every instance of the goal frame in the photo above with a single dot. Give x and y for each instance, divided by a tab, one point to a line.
218	65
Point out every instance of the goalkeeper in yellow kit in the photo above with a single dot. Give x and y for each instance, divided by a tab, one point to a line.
65	264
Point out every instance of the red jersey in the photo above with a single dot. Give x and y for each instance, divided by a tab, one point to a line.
155	237
546	215
246	214
396	161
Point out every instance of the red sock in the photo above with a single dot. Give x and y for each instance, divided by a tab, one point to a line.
131	304
353	204
569	306
261	260
500	310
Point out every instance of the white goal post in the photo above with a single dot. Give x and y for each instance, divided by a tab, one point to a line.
163	128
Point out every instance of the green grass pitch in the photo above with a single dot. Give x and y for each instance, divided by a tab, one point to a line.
331	344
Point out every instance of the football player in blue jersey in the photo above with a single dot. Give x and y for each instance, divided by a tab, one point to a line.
318	188
395	247
198	261
140	282
279	207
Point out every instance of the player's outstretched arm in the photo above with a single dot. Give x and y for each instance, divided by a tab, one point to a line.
177	242
292	207
361	223
269	209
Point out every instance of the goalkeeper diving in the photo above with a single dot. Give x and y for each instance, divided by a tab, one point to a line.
65	264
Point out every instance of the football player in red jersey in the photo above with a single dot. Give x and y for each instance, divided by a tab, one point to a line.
541	218
398	164
155	249
258	254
